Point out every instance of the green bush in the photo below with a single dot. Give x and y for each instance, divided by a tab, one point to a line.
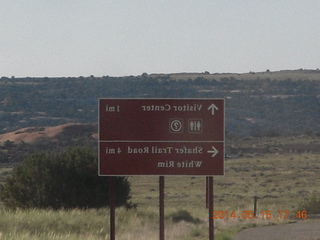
184	215
67	179
312	205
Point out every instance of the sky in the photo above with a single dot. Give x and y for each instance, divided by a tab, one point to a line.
71	38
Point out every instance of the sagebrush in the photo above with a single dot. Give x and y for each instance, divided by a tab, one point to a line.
67	179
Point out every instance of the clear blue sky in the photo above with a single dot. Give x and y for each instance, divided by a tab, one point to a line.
118	38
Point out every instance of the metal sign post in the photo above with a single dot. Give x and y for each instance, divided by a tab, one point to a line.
161	207
112	205
210	198
207	192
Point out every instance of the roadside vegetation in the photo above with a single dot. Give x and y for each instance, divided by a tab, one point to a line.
61	180
282	182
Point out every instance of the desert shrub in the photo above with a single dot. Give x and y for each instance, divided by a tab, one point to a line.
311	205
223	236
67	179
183	215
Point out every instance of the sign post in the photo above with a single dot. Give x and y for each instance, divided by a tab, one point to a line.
112	204
162	137
210	198
161	207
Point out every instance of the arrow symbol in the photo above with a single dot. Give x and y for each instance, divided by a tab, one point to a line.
212	107
214	151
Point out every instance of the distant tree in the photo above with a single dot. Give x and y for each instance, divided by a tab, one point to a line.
8	144
311	205
67	179
144	74
272	133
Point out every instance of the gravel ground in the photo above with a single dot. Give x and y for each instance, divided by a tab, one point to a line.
301	230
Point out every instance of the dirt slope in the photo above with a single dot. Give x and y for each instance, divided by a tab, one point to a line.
33	134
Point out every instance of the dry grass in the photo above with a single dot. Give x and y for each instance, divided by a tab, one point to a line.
282	182
276	178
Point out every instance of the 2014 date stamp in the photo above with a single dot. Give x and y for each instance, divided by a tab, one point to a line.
259	215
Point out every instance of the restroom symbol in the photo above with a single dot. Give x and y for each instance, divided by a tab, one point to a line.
195	125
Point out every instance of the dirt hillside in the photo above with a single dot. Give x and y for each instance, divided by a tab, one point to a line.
34	134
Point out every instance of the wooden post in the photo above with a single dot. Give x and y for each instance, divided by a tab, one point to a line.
112	206
207	193
161	207
210	197
255	197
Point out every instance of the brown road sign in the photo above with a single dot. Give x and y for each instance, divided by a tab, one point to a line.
161	137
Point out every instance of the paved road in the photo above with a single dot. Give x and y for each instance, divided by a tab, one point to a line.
300	230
